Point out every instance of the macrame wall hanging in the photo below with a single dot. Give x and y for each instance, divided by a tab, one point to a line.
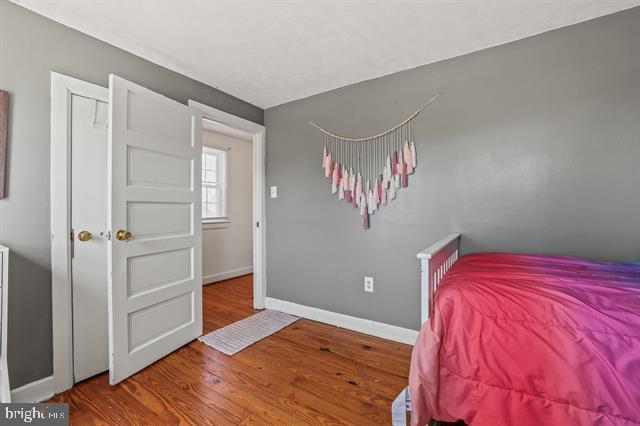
368	172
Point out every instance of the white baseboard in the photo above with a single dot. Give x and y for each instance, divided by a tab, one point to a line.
37	391
373	328
208	279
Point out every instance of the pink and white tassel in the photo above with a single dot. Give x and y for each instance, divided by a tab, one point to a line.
324	158
413	155
394	164
335	179
397	181
342	190
370	202
392	188
408	158
359	191
351	182
386	173
405	176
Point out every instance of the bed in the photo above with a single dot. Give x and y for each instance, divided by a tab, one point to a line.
510	339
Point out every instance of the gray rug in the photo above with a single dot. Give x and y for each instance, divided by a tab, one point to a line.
237	336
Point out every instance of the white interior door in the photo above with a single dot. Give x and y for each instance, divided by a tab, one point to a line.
89	227
155	287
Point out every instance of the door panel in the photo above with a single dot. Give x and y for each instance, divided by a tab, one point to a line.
148	272
160	220
89	213
162	121
155	169
155	288
152	322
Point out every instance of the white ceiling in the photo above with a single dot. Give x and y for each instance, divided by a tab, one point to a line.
271	52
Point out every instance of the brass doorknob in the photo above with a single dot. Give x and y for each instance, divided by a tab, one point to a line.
123	235
85	236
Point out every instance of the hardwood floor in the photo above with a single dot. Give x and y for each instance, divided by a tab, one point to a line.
307	373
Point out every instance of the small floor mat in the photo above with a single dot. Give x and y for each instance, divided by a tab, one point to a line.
241	334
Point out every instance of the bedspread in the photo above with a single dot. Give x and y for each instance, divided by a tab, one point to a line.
524	340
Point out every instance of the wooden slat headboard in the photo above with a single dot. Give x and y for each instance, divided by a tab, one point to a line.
435	261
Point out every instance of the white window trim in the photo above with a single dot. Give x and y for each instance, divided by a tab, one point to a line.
216	224
218	220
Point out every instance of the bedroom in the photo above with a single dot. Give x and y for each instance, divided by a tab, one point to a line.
531	147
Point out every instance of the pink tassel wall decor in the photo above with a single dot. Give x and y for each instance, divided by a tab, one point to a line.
383	162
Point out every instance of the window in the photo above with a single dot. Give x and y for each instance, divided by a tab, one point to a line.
214	184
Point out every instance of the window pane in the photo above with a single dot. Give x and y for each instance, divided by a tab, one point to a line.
211	210
213	185
211	162
210	176
221	199
212	195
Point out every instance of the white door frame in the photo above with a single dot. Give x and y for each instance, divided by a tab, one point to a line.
259	235
62	89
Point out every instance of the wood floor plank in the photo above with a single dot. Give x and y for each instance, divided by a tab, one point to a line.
344	375
273	382
386	362
277	404
307	373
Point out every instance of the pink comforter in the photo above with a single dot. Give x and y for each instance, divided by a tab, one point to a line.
531	340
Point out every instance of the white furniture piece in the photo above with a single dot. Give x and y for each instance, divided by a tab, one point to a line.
5	395
435	261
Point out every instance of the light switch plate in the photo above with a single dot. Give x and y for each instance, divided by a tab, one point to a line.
368	284
274	192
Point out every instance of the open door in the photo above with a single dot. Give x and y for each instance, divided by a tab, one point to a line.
155	280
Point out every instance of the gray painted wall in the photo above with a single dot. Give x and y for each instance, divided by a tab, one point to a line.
30	47
534	146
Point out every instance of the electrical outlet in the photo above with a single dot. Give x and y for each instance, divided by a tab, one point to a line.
368	284
274	192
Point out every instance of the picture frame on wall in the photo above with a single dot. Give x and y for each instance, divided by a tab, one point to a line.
4	120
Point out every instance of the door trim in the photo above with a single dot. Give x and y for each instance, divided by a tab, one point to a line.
258	158
62	89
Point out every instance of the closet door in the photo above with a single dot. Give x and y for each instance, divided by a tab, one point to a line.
155	283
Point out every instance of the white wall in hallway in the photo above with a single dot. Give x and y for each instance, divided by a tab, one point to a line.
228	247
